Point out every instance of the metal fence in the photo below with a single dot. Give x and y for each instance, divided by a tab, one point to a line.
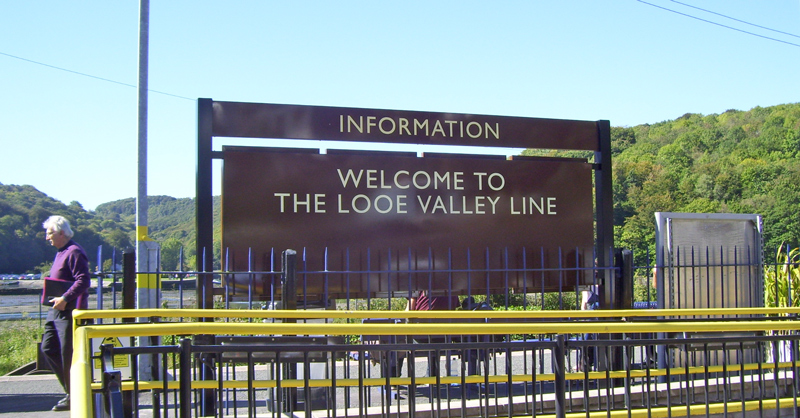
443	364
567	361
688	278
530	279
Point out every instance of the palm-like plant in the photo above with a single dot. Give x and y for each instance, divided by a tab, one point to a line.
782	290
782	279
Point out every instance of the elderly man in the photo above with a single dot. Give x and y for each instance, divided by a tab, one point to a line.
71	265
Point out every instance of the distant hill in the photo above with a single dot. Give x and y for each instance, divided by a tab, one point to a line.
23	209
734	162
168	217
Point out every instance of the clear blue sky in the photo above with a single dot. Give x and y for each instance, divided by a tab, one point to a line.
74	137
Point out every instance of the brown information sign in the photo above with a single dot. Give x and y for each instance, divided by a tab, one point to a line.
263	120
448	212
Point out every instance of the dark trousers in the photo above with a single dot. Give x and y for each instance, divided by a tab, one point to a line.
57	344
474	357
588	360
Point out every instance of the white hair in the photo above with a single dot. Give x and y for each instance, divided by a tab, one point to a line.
57	223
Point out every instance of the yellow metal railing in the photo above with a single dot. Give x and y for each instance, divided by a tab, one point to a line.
346	314
82	383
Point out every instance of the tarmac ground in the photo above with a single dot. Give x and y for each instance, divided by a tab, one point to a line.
30	396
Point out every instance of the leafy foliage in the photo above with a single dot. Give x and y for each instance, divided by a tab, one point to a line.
735	162
171	222
23	209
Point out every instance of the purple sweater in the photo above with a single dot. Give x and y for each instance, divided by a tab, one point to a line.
436	303
72	264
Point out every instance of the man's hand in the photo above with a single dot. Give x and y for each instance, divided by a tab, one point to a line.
59	303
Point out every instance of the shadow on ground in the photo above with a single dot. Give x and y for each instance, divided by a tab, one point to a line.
28	403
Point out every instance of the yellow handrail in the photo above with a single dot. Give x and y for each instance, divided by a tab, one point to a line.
346	314
241	328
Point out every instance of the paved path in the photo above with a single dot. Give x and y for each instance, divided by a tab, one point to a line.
34	396
30	396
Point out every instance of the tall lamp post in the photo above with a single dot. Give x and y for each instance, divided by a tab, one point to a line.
147	284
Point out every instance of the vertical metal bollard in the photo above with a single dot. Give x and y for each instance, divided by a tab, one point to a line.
186	378
289	302
128	302
559	368
112	385
206	362
289	280
624	260
623	299
99	290
128	281
205	370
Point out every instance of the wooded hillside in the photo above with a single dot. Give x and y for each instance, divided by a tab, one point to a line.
23	248
735	162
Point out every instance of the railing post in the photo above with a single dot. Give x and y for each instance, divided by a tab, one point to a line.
128	302
99	289
289	281
624	261
112	384
560	390
186	378
204	204
205	370
623	299
128	281
289	302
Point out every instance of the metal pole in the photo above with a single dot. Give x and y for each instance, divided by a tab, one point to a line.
147	285
205	245
623	299
204	209
560	383
289	282
99	290
185	380
128	281
141	192
128	302
604	196
289	302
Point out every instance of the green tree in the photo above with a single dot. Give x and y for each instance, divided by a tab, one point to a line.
170	253
117	238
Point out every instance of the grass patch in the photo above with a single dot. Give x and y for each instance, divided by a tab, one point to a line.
18	343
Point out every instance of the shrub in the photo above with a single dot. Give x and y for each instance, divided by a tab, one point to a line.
18	343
